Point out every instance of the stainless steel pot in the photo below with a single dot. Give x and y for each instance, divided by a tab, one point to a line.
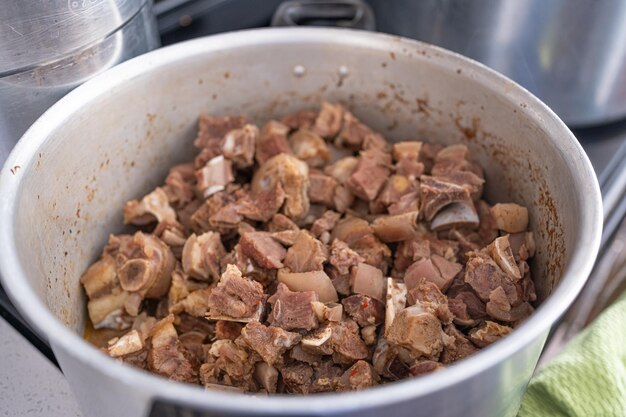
570	53
60	196
47	48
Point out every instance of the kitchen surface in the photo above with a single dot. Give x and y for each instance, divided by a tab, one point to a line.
31	384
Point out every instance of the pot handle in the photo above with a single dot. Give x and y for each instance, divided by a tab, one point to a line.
353	14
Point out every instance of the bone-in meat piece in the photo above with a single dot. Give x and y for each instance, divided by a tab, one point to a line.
211	129
292	309
272	141
153	207
239	145
202	254
214	176
236	298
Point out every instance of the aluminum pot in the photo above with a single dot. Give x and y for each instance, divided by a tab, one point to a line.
113	139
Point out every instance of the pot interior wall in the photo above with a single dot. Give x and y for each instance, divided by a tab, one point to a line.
120	144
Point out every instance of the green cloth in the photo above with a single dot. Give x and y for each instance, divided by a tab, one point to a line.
588	378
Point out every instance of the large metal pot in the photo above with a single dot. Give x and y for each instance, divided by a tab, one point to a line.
112	139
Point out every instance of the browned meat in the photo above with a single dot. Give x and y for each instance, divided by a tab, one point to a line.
342	169
353	132
236	298
367	280
329	120
316	281
359	376
228	364
322	189
268	341
425	367
306	254
436	194
364	309
418	331
214	176
435	269
273	141
428	296
266	376
342	257
225	329
309	147
264	250
396	228
484	276
489	333
293	310
325	224
202	254
510	218
211	129
370	174
395	188
293	176
154	207
346	342
457	348
300	120
278	261
239	145
263	205
297	378
406	155
280	222
179	185
165	354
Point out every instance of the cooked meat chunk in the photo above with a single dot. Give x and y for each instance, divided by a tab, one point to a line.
273	141
311	256
346	342
225	329
292	309
202	254
306	254
325	224
435	194
269	342
316	281
239	145
359	376
236	298
322	189
511	218
396	228
153	207
264	250
293	176
342	257
309	147
364	309
329	120
370	174
304	119
263	205
353	133
212	129
484	275
367	280
435	269
214	176
165	354
489	333
457	348
266	376
425	367
418	331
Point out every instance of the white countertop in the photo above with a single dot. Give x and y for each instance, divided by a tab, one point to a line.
29	384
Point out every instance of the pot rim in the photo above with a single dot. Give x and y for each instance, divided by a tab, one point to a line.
28	303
